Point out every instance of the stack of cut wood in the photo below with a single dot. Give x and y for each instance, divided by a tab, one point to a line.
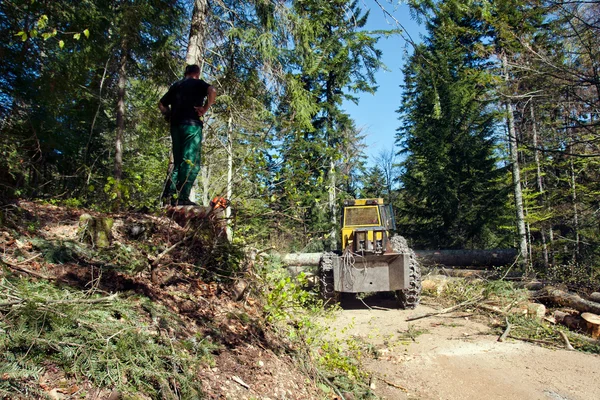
583	315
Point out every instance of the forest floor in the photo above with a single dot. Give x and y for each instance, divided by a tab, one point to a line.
458	356
226	348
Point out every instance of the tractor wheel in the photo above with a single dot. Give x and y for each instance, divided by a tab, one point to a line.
326	287
408	298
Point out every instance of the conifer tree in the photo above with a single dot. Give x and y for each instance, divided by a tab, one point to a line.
451	182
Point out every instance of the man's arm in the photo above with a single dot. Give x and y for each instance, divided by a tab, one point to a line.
210	100
163	109
166	111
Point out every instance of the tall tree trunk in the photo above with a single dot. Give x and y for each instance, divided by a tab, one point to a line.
333	204
195	53
205	184
196	43
575	210
516	172
120	114
540	183
229	173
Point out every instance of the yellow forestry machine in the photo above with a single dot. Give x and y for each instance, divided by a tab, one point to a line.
370	260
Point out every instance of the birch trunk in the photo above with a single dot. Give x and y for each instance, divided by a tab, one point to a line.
516	173
540	183
229	174
196	46
575	211
332	204
121	87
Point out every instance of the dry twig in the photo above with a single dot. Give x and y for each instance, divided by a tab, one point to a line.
566	340
19	268
504	335
447	310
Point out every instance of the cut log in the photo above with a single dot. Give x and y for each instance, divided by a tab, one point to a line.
465	258
529	285
476	258
592	322
302	259
566	299
467	273
573	322
594	297
536	311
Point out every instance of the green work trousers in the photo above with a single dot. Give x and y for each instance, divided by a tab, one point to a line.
187	145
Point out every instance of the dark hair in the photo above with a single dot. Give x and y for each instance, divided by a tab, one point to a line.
192	69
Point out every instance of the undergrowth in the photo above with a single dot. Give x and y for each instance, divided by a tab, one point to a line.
538	332
124	343
464	290
504	296
298	314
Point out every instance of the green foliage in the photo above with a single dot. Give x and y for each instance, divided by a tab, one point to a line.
298	314
453	191
529	328
117	343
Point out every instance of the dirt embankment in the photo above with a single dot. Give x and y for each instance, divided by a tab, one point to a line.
455	356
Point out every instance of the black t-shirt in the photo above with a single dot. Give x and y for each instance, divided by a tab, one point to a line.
183	96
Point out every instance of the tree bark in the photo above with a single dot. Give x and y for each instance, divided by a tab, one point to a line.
332	204
540	183
229	174
595	297
516	173
196	42
121	89
575	210
573	322
567	299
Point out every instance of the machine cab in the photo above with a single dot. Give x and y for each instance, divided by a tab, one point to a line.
365	226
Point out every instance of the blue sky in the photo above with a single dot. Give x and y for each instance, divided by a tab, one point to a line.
376	114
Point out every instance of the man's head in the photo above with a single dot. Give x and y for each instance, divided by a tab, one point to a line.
192	71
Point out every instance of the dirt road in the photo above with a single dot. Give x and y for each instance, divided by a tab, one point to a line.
456	357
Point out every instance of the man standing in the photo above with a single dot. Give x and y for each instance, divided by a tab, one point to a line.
188	99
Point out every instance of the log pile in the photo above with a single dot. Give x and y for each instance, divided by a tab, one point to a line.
583	315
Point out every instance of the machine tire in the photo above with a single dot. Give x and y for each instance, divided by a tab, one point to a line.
326	285
408	298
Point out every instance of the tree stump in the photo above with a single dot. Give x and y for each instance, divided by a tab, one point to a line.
592	322
96	231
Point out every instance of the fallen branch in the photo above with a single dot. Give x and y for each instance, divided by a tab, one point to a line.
546	342
504	335
59	302
491	309
19	268
566	340
392	384
447	310
240	382
362	301
164	253
381	308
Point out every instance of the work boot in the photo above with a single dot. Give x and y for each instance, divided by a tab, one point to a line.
183	202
